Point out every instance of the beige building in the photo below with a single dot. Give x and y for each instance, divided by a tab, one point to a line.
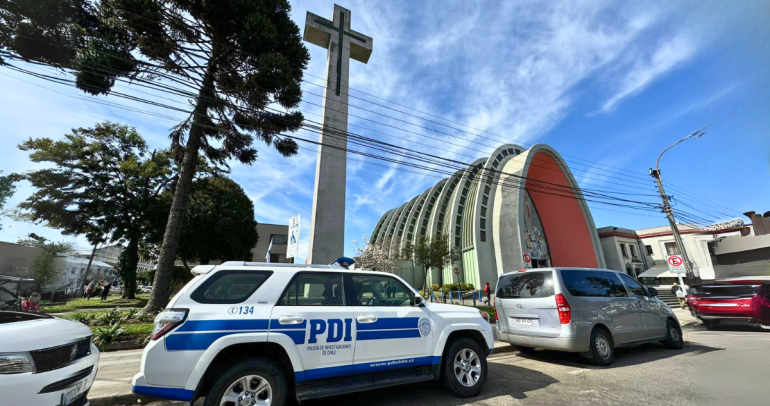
16	259
279	234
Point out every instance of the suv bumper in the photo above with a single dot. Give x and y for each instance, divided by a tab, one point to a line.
140	387
567	344
48	388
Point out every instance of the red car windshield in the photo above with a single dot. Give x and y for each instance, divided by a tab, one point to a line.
725	291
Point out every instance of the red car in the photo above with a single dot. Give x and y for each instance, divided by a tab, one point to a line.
745	299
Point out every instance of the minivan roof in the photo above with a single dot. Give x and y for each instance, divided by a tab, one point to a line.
561	268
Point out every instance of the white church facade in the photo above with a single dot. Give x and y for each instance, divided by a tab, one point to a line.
518	208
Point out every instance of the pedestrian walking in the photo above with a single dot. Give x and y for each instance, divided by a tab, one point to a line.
106	290
680	295
488	292
89	291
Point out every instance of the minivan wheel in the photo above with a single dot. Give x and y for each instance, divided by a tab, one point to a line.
674	338
465	368
602	351
252	382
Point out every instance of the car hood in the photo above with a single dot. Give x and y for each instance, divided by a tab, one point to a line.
32	335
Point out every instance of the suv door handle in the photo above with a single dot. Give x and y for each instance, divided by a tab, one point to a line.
290	320
366	319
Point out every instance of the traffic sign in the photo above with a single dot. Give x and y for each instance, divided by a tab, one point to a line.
527	258
676	264
457	271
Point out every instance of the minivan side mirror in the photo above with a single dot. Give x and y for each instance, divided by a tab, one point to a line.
418	300
653	292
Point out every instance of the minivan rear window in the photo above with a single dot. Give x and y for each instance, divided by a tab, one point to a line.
524	285
229	287
582	283
726	291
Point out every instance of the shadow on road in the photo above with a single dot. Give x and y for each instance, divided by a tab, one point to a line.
625	356
503	380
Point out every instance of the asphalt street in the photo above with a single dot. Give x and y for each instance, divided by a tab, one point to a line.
729	365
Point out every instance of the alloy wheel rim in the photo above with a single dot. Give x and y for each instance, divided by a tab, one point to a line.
467	367
672	331
602	346
249	390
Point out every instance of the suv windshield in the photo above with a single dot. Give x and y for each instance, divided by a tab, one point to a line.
726	291
525	285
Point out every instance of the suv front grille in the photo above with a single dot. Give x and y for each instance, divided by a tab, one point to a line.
61	356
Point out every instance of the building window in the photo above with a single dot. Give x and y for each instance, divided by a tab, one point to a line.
483	236
633	251
649	249
279	239
623	250
671	249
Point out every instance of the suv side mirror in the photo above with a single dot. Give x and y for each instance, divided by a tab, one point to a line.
418	300
653	292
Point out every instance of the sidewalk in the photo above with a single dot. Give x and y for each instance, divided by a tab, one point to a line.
113	380
685	318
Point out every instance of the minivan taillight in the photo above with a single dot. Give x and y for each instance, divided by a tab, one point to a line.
167	320
565	313
494	304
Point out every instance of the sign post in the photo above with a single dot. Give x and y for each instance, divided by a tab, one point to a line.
293	247
676	266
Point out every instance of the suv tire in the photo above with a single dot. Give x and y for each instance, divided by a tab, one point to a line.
265	378
602	350
674	339
464	370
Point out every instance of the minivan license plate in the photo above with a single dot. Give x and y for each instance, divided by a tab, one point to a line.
524	322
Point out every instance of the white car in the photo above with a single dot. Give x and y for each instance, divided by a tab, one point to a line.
248	333
45	360
146	289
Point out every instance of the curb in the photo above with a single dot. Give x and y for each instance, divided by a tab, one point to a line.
125	399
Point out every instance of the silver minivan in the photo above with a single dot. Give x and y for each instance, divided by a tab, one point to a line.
590	311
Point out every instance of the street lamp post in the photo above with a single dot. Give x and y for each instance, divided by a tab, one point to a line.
655	173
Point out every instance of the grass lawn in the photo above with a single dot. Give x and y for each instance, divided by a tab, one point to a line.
94	303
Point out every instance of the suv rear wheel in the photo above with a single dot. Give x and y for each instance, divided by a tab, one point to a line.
602	351
248	383
465	368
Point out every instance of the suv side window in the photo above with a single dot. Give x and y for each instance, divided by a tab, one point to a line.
608	284
229	287
314	289
380	291
635	287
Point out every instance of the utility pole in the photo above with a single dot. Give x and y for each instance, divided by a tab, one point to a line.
655	173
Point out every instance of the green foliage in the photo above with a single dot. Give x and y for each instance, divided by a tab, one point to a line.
129	314
431	253
106	335
109	317
219	224
7	189
454	287
104	182
84	318
238	57
435	287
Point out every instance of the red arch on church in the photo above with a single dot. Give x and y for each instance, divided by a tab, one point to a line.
565	226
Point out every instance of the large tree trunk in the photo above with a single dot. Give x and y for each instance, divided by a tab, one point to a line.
84	279
129	259
161	288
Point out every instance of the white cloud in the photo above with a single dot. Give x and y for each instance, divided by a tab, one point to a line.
640	72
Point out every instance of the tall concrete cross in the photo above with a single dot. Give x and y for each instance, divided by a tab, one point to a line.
327	229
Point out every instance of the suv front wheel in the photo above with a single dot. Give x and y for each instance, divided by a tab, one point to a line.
247	383
465	368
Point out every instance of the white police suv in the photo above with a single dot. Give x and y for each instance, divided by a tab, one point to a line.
255	334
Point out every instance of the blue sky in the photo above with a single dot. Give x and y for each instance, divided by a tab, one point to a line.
608	84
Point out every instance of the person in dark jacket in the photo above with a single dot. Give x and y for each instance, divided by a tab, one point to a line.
106	290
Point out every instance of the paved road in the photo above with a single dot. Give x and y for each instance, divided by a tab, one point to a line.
730	365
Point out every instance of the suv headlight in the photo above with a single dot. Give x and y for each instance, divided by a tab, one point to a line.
16	363
484	315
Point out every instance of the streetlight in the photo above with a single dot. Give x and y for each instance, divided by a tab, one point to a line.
655	173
